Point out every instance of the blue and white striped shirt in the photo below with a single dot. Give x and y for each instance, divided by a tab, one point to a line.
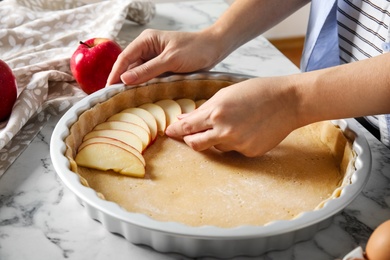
344	31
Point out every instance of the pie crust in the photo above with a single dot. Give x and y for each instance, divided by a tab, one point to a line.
219	189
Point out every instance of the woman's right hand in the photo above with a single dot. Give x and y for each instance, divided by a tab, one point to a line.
155	52
250	117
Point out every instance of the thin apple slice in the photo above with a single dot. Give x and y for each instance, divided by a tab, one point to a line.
130	127
107	156
200	102
158	114
112	141
130	118
187	105
147	117
120	135
171	108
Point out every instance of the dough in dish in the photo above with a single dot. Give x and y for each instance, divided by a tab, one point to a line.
226	189
223	189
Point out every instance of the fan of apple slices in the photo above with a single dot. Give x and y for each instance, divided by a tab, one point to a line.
118	143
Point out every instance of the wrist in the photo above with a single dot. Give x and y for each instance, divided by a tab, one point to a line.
282	97
219	41
320	96
299	99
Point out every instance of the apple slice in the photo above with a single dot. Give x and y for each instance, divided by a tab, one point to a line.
112	141
200	102
120	135
158	114
107	156
187	105
125	126
147	117
130	118
171	108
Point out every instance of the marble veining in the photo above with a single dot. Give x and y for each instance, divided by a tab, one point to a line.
41	219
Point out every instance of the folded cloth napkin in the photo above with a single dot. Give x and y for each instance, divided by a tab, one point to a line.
37	39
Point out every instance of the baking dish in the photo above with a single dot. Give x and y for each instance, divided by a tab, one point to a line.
204	240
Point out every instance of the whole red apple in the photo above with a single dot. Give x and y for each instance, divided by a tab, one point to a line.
92	62
8	90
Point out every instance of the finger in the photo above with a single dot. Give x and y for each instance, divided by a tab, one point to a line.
132	54
135	64
191	123
181	116
224	147
244	150
120	66
114	76
202	140
146	71
113	79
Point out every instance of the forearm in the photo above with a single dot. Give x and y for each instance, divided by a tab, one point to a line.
352	90
246	19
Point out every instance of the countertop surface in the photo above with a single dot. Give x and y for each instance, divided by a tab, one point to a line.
41	219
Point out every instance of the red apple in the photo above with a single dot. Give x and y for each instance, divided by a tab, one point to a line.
92	62
8	90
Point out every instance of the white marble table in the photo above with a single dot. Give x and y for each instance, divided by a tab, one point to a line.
40	218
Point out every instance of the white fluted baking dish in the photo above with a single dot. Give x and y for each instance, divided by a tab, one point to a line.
205	240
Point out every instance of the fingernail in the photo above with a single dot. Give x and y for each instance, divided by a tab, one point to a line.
167	131
129	77
108	83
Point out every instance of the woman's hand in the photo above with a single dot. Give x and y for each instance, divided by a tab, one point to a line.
156	52
250	117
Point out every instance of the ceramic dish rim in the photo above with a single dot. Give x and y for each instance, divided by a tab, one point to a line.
88	195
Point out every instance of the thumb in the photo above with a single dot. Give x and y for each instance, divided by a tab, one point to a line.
144	72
